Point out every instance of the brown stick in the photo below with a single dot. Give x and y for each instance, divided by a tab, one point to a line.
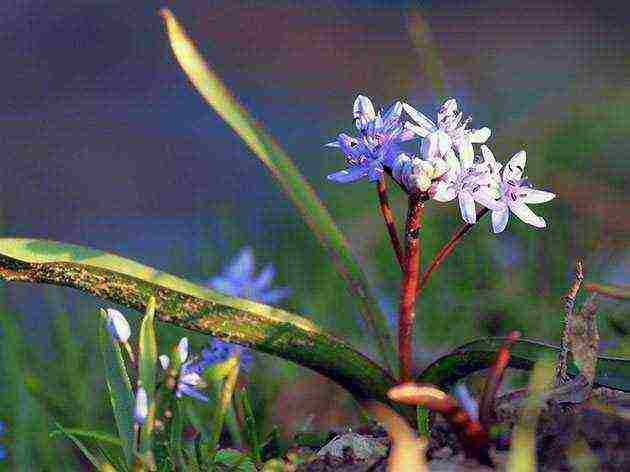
445	250
390	223
569	304
411	274
494	378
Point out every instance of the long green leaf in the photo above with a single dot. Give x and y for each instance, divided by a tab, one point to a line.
120	390
312	210
480	354
182	303
84	433
147	368
86	452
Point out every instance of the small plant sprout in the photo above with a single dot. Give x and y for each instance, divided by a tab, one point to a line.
118	327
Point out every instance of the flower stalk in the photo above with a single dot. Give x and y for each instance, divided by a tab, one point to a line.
411	272
388	217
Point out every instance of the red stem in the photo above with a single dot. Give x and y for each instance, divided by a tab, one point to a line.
388	216
411	272
445	250
494	378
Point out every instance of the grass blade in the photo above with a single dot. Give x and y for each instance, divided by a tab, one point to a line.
312	210
84	450
119	386
147	367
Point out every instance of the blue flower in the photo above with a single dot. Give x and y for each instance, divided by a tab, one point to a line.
239	280
377	145
3	450
190	382
141	409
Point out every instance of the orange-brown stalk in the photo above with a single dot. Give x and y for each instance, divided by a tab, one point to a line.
388	216
494	378
411	272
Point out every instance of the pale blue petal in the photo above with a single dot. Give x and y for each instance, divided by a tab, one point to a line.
349	175
467	207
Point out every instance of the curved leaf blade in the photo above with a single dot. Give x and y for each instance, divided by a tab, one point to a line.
282	168
479	354
190	306
120	391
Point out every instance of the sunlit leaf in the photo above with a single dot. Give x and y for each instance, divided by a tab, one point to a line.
218	96
187	305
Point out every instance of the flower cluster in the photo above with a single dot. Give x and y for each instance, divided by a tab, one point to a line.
446	167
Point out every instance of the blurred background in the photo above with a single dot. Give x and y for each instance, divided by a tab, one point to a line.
106	144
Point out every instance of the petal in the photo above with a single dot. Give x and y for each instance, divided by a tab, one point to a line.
264	279
466	152
271	297
467	207
393	114
189	391
435	145
375	172
363	110
182	349
479	135
349	175
444	192
141	409
448	108
242	265
515	167
500	219
333	144
537	196
526	215
117	325
488	201
399	164
453	164
422	121
487	154
165	361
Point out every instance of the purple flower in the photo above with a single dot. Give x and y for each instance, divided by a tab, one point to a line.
189	380
469	183
450	132
376	146
219	351
3	451
239	280
515	194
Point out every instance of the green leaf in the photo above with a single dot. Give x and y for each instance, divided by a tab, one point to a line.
190	306
233	460
119	386
95	435
84	450
177	428
281	167
224	402
251	430
147	368
479	354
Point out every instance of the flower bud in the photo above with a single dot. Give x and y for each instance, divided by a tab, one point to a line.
117	325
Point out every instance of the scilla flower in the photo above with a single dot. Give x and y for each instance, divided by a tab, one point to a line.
450	132
418	175
376	146
469	183
515	194
239	280
189	381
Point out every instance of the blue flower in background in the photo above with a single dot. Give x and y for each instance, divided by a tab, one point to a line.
3	450
239	280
